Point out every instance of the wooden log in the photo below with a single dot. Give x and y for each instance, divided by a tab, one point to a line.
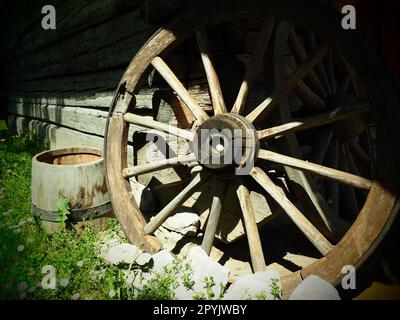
73	18
97	81
74	99
85	120
157	11
54	136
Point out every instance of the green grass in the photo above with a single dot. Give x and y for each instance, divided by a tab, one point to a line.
3	125
26	249
62	250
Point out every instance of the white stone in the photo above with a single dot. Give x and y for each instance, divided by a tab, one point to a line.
169	239
202	266
186	223
143	258
122	253
107	243
237	268
162	259
76	296
253	286
315	288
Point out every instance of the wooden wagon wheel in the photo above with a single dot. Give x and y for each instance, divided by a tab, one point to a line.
323	128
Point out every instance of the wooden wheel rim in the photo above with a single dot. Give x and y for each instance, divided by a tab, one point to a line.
379	210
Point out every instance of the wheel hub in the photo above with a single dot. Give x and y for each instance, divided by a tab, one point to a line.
226	143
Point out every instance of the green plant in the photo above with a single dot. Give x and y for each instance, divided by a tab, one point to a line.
63	210
276	289
262	295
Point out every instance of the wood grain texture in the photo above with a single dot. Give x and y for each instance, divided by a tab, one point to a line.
212	77
333	174
263	39
284	89
253	236
178	87
311	232
214	216
315	121
169	209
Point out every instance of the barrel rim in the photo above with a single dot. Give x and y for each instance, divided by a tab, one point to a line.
70	151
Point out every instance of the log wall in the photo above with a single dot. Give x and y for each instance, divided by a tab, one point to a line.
60	82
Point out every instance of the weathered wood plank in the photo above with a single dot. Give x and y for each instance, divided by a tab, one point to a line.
96	81
79	119
90	50
72	17
52	135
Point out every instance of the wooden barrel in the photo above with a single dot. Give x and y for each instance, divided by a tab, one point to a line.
78	174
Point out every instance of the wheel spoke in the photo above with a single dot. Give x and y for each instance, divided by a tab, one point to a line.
333	174
263	39
300	55
308	229
321	146
315	121
333	186
159	126
348	192
352	162
213	218
212	78
253	236
178	87
283	90
320	68
344	85
159	165
170	208
331	72
359	151
306	95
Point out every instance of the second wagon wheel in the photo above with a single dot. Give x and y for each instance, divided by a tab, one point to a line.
316	110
